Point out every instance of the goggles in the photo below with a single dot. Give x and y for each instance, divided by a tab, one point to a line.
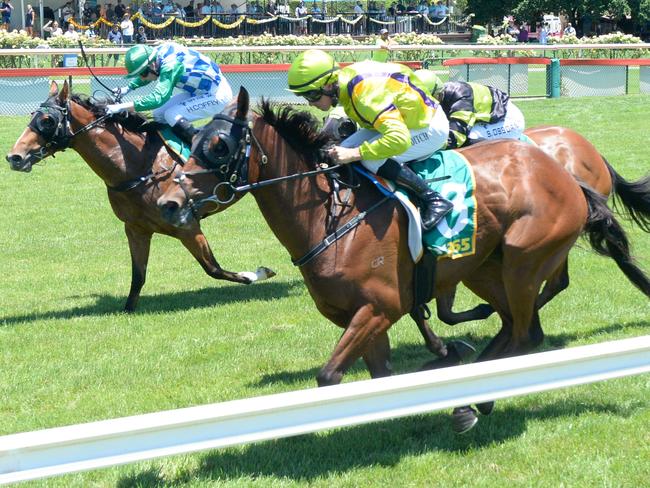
312	95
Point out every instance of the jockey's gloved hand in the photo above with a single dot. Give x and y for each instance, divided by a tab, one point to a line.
120	92
116	108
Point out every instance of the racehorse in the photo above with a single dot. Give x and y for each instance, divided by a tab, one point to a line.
530	213
135	166
581	158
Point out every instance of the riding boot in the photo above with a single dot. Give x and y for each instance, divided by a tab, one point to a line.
185	130
433	205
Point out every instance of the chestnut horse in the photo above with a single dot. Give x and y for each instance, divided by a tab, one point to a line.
134	165
581	158
530	213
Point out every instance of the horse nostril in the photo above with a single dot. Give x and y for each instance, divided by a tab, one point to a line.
168	209
14	159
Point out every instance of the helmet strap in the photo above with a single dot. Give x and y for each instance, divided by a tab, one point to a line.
333	93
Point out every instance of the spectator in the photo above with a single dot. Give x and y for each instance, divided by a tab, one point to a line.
30	20
234	13
90	32
189	10
543	34
67	12
168	9
384	43
70	32
127	28
569	30
217	9
115	37
523	33
53	28
141	36
119	10
358	12
157	12
301	11
6	8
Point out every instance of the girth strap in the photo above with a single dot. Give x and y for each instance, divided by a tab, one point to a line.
336	235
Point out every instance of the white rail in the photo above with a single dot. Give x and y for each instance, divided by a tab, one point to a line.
80	447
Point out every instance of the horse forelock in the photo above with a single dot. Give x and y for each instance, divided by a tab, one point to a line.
298	128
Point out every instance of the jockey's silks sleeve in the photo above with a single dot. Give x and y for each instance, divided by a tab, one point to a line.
468	103
388	98
170	74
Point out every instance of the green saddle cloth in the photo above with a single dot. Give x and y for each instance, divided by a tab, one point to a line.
451	175
174	143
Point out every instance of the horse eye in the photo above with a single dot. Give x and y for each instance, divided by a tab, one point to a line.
48	123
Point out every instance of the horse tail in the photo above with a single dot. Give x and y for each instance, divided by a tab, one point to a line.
634	196
608	238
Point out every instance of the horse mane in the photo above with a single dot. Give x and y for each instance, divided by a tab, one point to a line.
298	128
134	122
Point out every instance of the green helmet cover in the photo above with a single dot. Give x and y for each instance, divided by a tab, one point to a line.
430	80
137	59
311	70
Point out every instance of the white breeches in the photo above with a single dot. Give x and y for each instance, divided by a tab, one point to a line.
424	142
196	107
511	127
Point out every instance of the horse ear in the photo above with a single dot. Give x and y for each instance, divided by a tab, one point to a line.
54	88
63	94
243	102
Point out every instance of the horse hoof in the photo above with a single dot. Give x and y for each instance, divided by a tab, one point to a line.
446	362
463	419
485	408
461	349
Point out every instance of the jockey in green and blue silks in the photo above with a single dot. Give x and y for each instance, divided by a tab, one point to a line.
204	90
400	121
476	112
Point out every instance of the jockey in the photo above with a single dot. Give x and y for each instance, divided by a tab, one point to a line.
399	121
476	112
204	90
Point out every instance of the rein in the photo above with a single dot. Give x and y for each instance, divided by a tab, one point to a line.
232	173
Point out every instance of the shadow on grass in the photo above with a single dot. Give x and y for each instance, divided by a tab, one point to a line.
407	358
312	457
167	302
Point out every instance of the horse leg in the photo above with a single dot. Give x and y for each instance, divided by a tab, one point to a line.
554	285
445	302
198	246
377	357
367	325
139	247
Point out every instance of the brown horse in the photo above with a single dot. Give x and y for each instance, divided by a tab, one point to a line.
530	213
581	158
135	166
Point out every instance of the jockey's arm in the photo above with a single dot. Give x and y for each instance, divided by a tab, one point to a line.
460	125
169	75
395	137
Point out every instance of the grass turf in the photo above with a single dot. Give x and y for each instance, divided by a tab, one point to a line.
68	355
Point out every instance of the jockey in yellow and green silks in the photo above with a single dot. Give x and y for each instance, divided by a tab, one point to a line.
476	112
400	121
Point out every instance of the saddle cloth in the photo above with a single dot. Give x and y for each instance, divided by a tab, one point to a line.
174	143
451	175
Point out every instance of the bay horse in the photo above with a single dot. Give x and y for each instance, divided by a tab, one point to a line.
578	156
530	211
583	160
135	166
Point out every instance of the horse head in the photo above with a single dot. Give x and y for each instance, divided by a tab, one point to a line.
219	161
47	132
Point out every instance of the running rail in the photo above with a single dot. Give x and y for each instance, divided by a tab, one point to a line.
60	450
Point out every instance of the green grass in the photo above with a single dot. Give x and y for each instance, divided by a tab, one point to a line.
68	355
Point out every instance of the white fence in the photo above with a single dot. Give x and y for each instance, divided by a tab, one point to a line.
81	447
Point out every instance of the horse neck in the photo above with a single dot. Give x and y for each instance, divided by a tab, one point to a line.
295	210
114	154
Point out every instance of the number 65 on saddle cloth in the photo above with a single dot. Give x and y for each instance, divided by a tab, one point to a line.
450	174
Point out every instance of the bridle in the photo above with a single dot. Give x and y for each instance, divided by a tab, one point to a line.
231	162
52	122
58	135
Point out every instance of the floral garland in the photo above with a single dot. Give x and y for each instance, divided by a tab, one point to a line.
242	18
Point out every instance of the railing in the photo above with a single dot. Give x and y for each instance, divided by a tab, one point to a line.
49	452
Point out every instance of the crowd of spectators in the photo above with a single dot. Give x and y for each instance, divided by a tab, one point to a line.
66	23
